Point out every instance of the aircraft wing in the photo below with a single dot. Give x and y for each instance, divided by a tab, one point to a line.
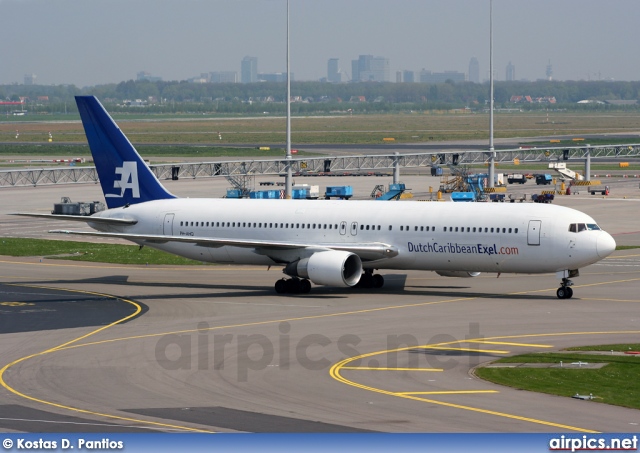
367	251
79	218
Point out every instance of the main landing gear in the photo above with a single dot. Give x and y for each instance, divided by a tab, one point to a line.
293	285
297	285
565	291
370	280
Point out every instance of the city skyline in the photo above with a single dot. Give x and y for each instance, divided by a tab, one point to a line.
109	41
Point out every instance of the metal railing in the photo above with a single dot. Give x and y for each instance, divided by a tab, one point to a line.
326	164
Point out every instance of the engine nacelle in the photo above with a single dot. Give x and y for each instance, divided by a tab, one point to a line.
459	274
331	268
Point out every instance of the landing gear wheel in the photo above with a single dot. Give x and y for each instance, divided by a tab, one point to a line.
564	292
305	286
281	286
378	281
293	286
366	280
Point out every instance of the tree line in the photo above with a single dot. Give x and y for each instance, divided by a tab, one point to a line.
318	97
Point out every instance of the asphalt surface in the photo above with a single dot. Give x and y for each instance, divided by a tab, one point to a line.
218	351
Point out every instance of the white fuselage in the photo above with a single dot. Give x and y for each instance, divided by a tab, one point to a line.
445	236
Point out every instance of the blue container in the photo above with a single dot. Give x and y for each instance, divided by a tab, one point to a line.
339	191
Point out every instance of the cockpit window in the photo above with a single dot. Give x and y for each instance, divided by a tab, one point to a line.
578	227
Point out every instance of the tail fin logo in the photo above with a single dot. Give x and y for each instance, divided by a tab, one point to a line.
128	180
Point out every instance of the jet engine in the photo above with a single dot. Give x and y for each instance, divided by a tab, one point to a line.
459	274
331	268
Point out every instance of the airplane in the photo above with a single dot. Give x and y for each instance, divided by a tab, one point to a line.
331	242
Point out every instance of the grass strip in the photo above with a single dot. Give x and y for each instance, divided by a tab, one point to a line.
616	383
90	251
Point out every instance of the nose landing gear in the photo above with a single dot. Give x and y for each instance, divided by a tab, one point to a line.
565	291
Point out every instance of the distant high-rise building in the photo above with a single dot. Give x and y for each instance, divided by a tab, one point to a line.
223	77
144	75
333	71
441	77
474	70
368	68
408	76
511	73
249	70
549	71
30	79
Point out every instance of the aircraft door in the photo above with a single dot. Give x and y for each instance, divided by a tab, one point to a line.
533	233
354	228
343	228
167	227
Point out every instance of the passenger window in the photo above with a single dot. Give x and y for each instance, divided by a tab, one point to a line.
516	231
390	227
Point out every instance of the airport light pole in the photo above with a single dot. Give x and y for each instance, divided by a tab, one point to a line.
492	151
288	178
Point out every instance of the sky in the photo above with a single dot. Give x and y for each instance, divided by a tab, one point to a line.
93	42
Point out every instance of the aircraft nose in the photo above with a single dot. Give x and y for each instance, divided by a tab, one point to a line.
605	245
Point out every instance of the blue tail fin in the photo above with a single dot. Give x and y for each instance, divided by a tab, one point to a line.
124	176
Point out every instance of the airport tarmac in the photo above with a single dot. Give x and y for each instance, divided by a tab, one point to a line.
215	349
